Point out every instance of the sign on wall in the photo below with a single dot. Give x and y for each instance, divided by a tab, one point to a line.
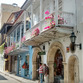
42	53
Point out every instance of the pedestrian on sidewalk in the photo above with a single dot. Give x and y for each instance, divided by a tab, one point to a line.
46	73
41	73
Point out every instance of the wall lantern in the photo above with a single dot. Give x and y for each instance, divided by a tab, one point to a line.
73	39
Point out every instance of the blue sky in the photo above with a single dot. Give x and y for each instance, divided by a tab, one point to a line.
19	2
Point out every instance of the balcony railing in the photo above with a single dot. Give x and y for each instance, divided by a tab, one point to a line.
11	45
15	45
65	19
9	49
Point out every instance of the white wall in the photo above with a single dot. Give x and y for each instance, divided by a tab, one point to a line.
66	43
80	36
1	62
69	5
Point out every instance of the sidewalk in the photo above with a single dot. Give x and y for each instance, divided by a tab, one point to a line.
20	79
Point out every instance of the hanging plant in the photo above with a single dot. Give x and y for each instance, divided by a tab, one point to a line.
50	21
35	32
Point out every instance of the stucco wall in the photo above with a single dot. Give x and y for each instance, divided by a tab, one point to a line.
69	5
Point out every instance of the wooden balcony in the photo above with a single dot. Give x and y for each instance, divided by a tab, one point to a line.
55	25
16	48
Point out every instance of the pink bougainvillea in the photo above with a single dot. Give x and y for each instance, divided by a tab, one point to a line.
49	17
35	32
52	22
60	20
9	49
48	27
47	12
46	17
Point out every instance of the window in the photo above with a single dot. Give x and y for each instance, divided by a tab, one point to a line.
28	19
11	38
22	31
15	36
28	25
18	34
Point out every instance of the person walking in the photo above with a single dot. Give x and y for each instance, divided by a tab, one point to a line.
41	73
46	73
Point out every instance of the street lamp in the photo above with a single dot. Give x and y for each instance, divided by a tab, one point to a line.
73	39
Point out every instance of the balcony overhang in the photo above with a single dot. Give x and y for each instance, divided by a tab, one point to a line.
45	36
18	51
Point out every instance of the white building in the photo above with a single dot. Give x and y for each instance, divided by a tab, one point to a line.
52	22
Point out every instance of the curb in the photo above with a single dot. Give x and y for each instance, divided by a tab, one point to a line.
19	79
11	76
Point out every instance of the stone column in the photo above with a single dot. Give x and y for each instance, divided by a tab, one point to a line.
9	64
65	72
34	70
51	72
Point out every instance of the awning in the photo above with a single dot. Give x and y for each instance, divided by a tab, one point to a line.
45	36
18	51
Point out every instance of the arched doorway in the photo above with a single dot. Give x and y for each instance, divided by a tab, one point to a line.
58	68
73	70
36	59
53	50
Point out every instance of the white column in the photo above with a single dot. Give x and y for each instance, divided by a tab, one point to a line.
20	34
24	21
20	31
41	1
56	12
31	14
41	9
16	34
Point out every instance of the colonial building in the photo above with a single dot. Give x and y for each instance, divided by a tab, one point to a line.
47	26
52	23
20	56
